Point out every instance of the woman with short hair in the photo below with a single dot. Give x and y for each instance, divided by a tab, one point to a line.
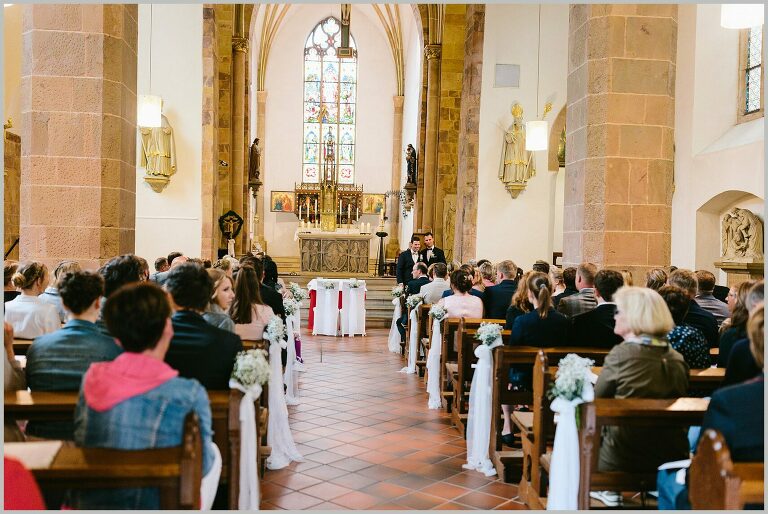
221	300
28	315
687	340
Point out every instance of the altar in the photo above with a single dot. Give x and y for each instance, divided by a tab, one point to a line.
334	252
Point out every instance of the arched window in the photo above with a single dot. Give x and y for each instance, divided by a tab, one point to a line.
751	74
330	93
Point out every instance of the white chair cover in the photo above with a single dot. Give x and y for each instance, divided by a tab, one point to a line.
413	343
480	411
393	342
326	311
279	432
291	376
353	309
249	474
564	468
433	367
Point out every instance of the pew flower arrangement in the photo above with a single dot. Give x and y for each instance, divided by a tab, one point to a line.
397	291
328	284
297	292
291	306
251	368
354	283
488	333
438	312
275	331
572	373
414	300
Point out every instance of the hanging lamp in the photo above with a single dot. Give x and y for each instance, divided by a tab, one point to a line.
536	131
741	16
150	108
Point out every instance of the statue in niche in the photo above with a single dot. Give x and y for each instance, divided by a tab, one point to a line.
158	154
254	165
516	163
742	235
561	150
411	162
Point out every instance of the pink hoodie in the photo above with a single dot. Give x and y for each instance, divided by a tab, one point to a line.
108	383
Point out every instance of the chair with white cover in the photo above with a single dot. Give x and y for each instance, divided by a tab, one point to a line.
352	309
326	310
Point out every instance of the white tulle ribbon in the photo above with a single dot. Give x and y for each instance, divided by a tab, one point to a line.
327	323
413	343
291	377
480	411
249	475
433	367
279	435
564	468
393	342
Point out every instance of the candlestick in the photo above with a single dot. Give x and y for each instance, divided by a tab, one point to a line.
349	213
315	207
357	215
299	212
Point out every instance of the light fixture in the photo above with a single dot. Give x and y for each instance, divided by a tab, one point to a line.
741	16
536	130
150	109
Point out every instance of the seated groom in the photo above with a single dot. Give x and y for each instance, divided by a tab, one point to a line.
431	254
496	299
595	328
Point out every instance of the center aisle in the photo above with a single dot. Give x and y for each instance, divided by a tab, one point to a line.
369	440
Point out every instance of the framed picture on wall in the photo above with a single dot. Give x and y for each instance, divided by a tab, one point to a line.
373	204
282	201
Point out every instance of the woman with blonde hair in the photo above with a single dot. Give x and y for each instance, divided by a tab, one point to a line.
27	314
520	302
643	366
558	284
488	275
655	279
221	299
734	328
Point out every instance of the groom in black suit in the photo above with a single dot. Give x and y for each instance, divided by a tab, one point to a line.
431	254
407	259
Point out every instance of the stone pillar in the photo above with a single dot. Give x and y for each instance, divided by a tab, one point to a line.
398	149
238	183
261	133
620	135
210	159
432	53
78	164
465	232
11	184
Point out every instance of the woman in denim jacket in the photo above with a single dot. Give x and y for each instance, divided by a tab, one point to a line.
137	401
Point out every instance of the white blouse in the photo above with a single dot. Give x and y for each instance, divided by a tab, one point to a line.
31	317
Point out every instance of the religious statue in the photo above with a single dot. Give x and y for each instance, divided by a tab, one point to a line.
561	150
410	159
254	163
742	236
230	224
517	165
158	154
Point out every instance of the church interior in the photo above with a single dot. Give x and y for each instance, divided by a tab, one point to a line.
339	148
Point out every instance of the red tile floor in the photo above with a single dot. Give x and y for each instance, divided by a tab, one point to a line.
370	442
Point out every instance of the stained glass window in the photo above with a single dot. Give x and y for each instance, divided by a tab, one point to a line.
330	94
754	70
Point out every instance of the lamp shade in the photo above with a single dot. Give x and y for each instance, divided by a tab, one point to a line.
536	135
741	16
150	111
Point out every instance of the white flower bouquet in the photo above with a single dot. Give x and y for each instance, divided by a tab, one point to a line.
488	333
354	283
275	331
572	373
251	368
414	300
397	291
328	284
438	312
291	306
297	292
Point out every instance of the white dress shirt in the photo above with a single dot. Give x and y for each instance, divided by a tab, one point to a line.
434	290
31	317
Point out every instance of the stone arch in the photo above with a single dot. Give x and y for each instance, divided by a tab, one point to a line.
554	140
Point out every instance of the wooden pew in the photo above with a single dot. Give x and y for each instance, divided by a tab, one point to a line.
717	483
422	317
21	346
680	412
176	471
225	422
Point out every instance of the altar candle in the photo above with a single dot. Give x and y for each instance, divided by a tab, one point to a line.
299	211
349	212
315	207
357	215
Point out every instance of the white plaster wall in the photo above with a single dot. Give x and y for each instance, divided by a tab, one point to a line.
171	220
12	65
712	154
529	227
284	85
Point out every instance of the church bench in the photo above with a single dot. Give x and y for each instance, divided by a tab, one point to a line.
176	471
717	483
225	422
21	346
422	318
637	412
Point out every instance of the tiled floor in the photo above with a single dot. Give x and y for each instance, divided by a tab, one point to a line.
369	440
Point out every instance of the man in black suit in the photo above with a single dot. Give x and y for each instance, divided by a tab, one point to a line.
407	259
569	279
496	299
198	350
696	317
420	278
595	328
431	254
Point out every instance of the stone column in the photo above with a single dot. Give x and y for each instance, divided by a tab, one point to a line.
398	149
465	233
238	183
620	135
261	133
210	117
432	53
11	185
78	164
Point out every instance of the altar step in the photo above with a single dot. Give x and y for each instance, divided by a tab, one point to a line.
287	265
378	300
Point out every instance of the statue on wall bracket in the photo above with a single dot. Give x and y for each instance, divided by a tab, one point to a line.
517	164
254	167
411	162
158	154
742	240
230	225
